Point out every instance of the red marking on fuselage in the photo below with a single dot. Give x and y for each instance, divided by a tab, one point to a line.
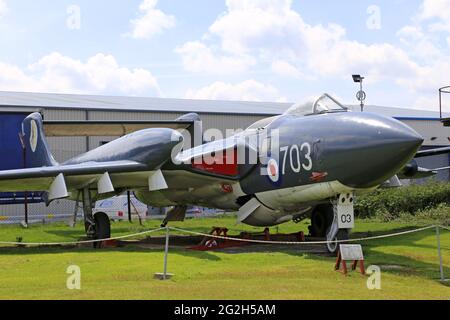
273	170
221	164
318	176
227	188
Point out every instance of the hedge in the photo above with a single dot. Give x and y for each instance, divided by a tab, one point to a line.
392	202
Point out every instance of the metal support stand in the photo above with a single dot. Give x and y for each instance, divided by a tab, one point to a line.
441	267
89	221
75	211
165	275
333	230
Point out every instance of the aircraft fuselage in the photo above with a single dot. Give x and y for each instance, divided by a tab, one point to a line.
313	159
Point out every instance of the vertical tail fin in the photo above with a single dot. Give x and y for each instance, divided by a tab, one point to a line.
37	151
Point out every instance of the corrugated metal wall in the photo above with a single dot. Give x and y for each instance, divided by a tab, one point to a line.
434	133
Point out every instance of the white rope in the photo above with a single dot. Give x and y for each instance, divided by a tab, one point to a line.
217	237
304	242
78	242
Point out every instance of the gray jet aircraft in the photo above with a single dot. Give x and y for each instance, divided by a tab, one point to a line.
310	162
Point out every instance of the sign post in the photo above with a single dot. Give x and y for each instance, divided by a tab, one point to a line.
350	252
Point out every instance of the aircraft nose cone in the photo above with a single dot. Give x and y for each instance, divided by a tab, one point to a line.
398	137
379	148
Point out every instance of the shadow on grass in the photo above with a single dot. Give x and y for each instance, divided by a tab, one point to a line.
208	255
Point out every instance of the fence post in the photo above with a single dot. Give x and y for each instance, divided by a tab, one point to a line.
166	253
441	267
165	275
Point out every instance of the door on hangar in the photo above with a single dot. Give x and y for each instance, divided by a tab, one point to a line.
11	156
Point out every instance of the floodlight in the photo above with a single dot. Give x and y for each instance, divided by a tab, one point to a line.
357	78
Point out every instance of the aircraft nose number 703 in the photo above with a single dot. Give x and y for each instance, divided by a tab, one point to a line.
297	161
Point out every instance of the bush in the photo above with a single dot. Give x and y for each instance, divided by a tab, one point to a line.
391	203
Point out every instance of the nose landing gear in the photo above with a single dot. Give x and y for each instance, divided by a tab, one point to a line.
333	221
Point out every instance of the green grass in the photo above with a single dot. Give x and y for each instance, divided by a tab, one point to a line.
127	273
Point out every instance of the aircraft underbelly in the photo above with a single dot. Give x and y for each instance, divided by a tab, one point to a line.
187	188
278	206
289	199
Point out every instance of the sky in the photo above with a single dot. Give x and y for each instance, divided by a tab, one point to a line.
253	50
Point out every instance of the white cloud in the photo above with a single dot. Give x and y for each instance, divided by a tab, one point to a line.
284	68
418	43
151	21
257	24
249	90
100	74
274	32
437	11
3	8
276	37
434	9
197	57
408	33
271	35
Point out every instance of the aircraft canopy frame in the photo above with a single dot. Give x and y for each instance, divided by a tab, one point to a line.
324	104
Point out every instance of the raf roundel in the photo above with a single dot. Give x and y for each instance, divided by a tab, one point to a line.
273	171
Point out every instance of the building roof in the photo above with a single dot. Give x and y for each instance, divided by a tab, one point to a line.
120	103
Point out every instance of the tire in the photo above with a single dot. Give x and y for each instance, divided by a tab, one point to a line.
102	228
343	234
321	220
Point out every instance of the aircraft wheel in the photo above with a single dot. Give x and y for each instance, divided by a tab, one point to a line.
342	234
102	228
321	220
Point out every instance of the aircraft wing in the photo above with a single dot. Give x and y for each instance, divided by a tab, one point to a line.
105	176
412	169
432	152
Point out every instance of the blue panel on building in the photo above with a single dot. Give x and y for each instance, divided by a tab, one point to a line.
11	155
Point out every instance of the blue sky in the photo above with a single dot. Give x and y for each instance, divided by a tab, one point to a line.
266	50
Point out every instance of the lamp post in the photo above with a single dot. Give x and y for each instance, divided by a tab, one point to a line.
361	95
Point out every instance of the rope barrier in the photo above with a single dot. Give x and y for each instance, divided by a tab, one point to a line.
303	243
79	242
219	237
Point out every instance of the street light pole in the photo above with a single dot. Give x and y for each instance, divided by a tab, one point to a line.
361	95
361	90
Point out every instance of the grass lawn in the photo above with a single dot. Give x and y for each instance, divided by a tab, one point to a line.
409	266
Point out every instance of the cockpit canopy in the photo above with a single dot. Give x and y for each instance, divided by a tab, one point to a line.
324	104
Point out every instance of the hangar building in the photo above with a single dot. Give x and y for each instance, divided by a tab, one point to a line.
222	115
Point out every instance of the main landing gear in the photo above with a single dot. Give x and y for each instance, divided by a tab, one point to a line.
333	221
96	226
